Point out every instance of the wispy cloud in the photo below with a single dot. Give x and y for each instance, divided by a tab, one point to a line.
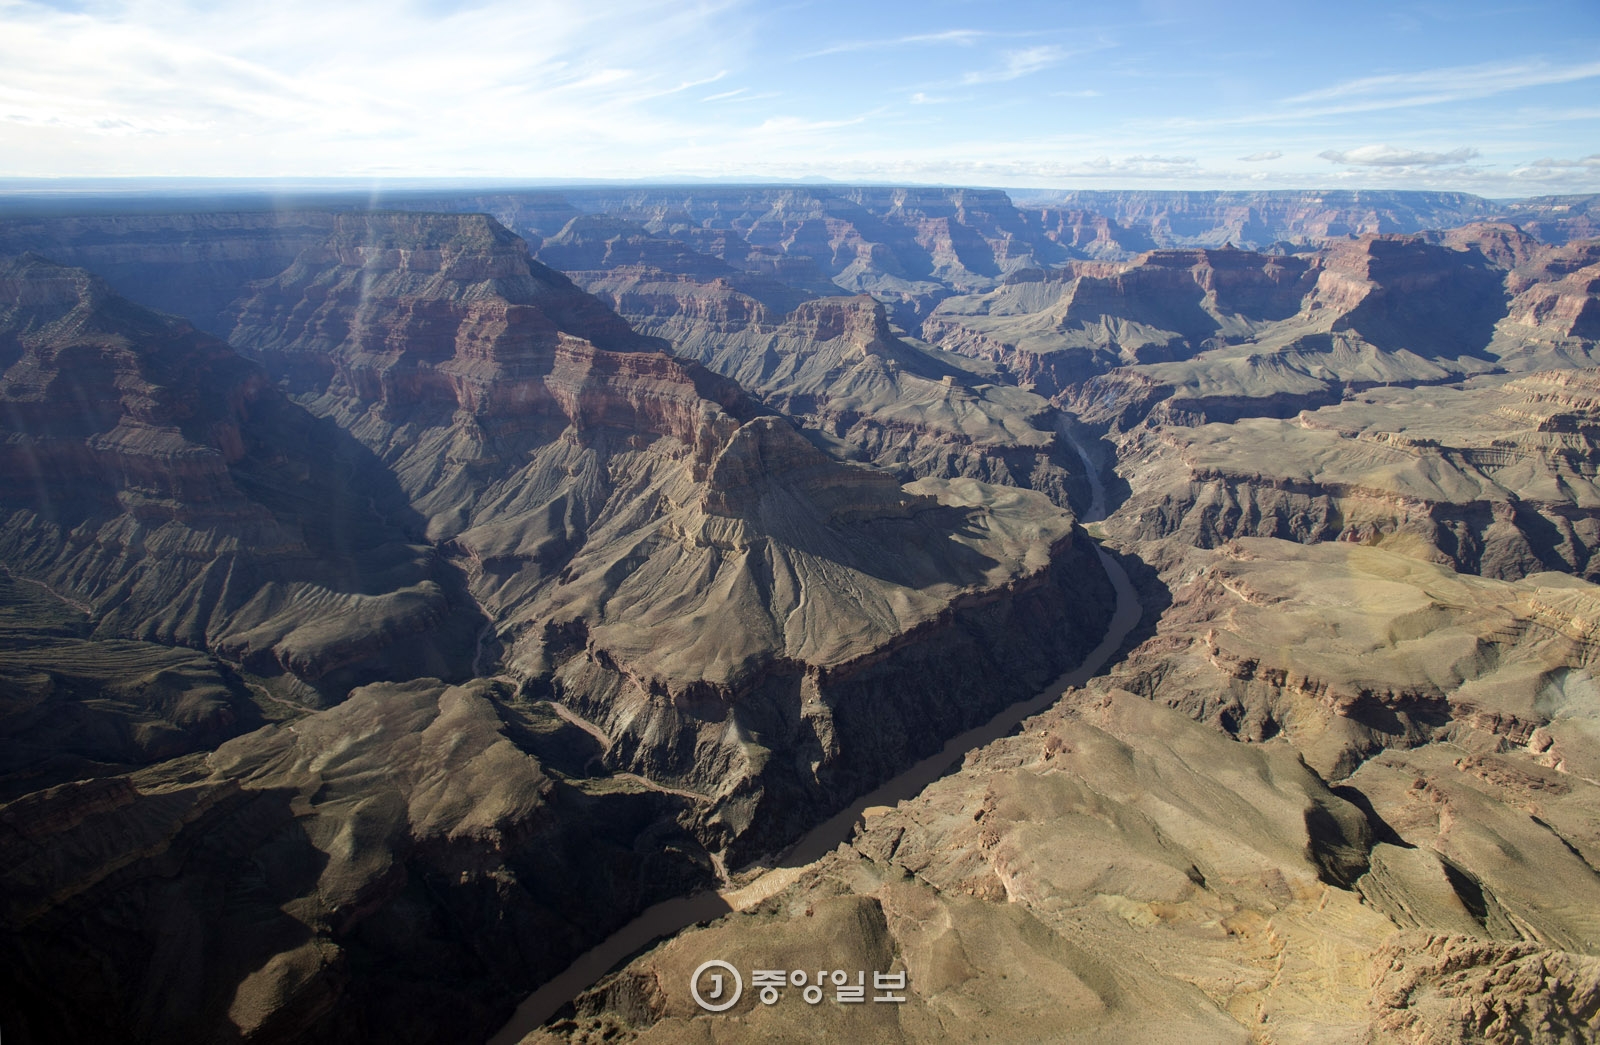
1374	94
1592	161
963	37
1016	64
660	88
1427	86
749	99
1389	156
1162	161
248	89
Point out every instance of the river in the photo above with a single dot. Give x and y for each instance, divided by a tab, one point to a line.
671	916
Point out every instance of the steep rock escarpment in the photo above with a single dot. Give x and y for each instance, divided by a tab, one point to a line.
1261	220
1557	295
1557	219
907	247
1228	333
155	478
1494	477
834	363
1388	838
189	264
735	611
439	344
1053	329
397	864
643	275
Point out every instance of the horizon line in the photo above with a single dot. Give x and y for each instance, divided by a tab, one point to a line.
105	186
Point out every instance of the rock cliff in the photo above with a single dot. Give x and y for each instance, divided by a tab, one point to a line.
189	264
1337	795
1493	476
356	678
698	581
1260	220
152	475
838	365
706	634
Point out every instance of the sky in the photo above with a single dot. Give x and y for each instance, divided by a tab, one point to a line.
1495	98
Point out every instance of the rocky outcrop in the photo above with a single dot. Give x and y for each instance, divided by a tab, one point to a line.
1216	336
437	342
1494	478
1403	294
698	581
156	478
1258	220
1439	988
1057	329
905	246
1557	293
1556	219
1086	233
834	362
189	264
397	860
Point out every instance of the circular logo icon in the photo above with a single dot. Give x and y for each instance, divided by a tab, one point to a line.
721	995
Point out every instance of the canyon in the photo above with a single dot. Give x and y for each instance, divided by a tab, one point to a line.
397	602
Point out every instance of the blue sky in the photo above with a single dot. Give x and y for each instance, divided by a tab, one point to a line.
1501	99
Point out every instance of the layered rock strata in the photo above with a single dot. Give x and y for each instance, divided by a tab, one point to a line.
708	633
1338	795
397	864
739	614
153	476
1493	477
833	362
189	264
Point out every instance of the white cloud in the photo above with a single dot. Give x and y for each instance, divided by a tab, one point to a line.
232	88
1017	64
1451	83
1591	162
965	37
1389	156
1374	94
1171	161
620	88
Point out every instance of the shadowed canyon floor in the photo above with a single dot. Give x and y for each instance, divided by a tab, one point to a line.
1131	616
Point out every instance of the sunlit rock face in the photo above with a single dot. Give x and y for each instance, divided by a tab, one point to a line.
654	548
426	456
